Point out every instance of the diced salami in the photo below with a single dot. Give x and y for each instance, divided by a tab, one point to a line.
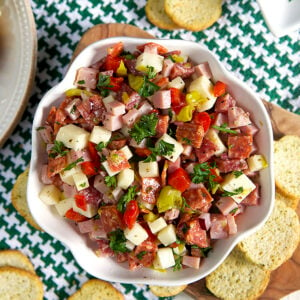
182	70
190	133
229	165
110	218
104	249
223	103
239	147
162	125
206	151
195	235
56	165
146	252
237	117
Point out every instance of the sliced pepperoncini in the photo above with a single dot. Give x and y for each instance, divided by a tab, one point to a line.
135	82
194	98
186	113
122	70
168	198
77	92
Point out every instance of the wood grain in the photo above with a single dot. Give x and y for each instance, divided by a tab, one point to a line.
286	278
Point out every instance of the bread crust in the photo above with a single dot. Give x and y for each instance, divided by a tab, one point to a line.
166	291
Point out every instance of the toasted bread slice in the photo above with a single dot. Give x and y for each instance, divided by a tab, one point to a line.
276	241
155	11
287	165
95	289
166	291
194	15
237	278
20	284
290	202
19	199
15	258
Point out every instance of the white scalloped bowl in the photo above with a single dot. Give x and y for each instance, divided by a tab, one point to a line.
107	268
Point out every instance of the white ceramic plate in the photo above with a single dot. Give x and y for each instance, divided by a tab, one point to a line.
106	268
282	16
17	61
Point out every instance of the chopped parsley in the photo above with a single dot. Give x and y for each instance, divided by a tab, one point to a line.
237	173
202	173
145	127
58	149
178	265
148	88
99	147
130	195
204	251
117	241
81	82
163	148
233	211
40	128
187	140
141	254
151	72
127	55
224	128
103	81
73	164
235	192
110	181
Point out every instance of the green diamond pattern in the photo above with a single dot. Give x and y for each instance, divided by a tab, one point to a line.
240	39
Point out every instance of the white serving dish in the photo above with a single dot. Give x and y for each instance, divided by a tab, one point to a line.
107	268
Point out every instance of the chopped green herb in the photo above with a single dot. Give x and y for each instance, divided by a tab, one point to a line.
58	149
178	265
185	228
73	164
130	195
99	147
141	254
117	241
127	55
163	148
235	192
103	81
171	58
187	140
202	173
104	93
81	82
237	173
232	212
148	88
145	127
82	184
204	251
224	128
73	109
110	181
40	128
151	72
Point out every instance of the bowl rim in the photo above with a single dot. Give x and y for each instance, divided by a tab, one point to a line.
228	75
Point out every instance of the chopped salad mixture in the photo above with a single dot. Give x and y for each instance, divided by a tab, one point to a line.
151	157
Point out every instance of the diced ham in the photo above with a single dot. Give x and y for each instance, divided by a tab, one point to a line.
181	69
74	155
190	168
237	117
167	67
150	189
162	99
220	119
198	199
195	235
226	205
86	77
71	109
69	190
111	218
130	118
44	175
171	214
206	151
89	225
191	132
144	108
191	261
162	125
253	198
112	122
239	147
115	108
219	227
187	150
204	220
223	103
100	185
232	227
229	165
46	133
249	129
142	144
203	69
133	100
97	65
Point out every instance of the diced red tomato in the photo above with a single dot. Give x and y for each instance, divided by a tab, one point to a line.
202	118
215	171
115	83
219	89
116	49
112	63
131	213
162	82
75	216
143	152
177	100
89	168
80	202
94	155
160	49
179	180
117	161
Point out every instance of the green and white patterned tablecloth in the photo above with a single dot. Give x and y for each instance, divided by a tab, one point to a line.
241	39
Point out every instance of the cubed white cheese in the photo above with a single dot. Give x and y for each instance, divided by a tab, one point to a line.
130	246
177	83
180	250
164	258
147	59
91	210
213	136
125	178
145	204
108	169
64	205
67	176
136	235
167	235
256	162
81	181
73	137
148	169
100	134
127	152
204	87
178	148
232	183
117	193
50	194
157	225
